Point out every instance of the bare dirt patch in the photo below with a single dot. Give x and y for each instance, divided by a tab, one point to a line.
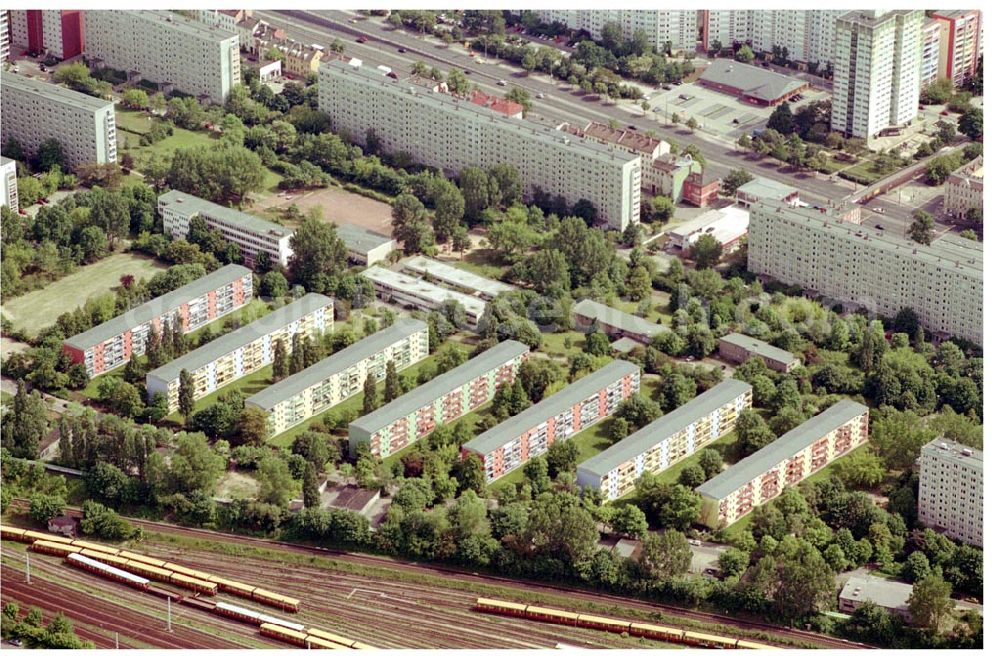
338	205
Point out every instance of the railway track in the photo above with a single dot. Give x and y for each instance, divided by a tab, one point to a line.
797	635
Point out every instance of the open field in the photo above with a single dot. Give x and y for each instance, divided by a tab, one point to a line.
338	206
39	309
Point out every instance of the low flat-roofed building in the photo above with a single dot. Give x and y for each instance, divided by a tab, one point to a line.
417	413
891	595
737	348
336	378
764	188
802	451
750	84
453	277
243	351
666	440
950	498
727	225
111	344
562	415
964	189
363	246
422	295
614	322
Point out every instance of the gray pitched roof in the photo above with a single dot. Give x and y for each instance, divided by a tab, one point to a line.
759	347
784	447
750	80
617	318
360	239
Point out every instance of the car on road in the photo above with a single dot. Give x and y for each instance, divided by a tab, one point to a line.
401	50
656	109
878	210
633	128
361	40
501	82
689	359
646	97
694	542
943	113
540	95
880	227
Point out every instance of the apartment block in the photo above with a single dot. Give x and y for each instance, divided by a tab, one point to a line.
445	131
809	35
32	111
422	295
950	498
453	278
630	142
794	456
737	348
725	26
111	344
363	246
244	351
942	282
614	322
443	399
251	233
877	71
4	36
670	438
8	176
336	378
166	48
929	56
677	29
964	189
958	56
572	410
58	32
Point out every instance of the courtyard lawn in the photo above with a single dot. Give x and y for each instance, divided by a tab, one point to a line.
554	344
863	173
247	386
133	124
36	310
481	263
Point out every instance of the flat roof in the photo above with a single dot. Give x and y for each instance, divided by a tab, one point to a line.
453	275
540	132
643	439
158	306
190	205
182	24
765	188
359	239
948	449
750	80
721	218
336	363
232	341
786	446
759	347
440	386
614	317
54	93
878	590
961	254
423	289
6	160
549	407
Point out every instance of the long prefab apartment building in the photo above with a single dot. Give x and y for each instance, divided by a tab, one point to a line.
802	451
580	405
615	323
443	399
243	351
251	233
453	278
422	295
111	344
33	111
666	440
445	131
951	490
336	378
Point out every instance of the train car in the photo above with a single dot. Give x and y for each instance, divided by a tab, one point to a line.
358	645
657	632
253	617
233	587
142	558
155	573
53	548
31	535
8	533
89	545
177	598
744	644
273	599
191	573
499	607
602	623
550	615
331	637
709	641
108	571
113	560
314	643
196	584
284	634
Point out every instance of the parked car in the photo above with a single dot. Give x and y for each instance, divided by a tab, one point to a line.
694	542
878	210
633	128
501	82
361	40
880	227
401	50
540	95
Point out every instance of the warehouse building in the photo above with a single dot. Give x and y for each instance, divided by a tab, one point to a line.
615	323
794	456
111	344
453	278
665	441
244	351
251	233
443	399
750	84
580	405
422	295
738	348
727	225
942	282
950	498
451	133
363	246
336	378
33	112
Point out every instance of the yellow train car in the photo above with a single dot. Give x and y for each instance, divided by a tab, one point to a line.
284	634
8	533
709	641
96	546
149	571
602	623
550	615
233	587
332	638
500	607
743	644
314	643
273	599
31	535
657	632
196	584
104	557
358	645
138	557
53	548
192	573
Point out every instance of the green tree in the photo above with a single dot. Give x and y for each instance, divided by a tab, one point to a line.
930	602
310	486
319	255
275	481
917	567
25	423
782	120
393	389
692	476
706	251
733	562
45	507
675	390
185	394
628	520
745	54
475	186
279	367
49	154
371	401
251	427
561	457
680	508
922	228
665	555
638	410
135	99
734	180
194	466
710	462
752	432
971	124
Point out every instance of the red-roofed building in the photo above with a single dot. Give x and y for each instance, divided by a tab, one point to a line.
498	104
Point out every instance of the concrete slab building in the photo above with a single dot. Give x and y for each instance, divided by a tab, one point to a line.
453	278
363	246
422	295
614	322
950	498
8	181
58	32
738	348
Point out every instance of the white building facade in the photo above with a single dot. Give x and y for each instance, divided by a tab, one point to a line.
8	177
951	490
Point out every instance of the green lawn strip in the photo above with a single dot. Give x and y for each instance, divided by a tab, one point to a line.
247	385
481	262
554	344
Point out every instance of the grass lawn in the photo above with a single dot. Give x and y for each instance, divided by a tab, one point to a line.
38	309
863	173
481	263
554	344
235	485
